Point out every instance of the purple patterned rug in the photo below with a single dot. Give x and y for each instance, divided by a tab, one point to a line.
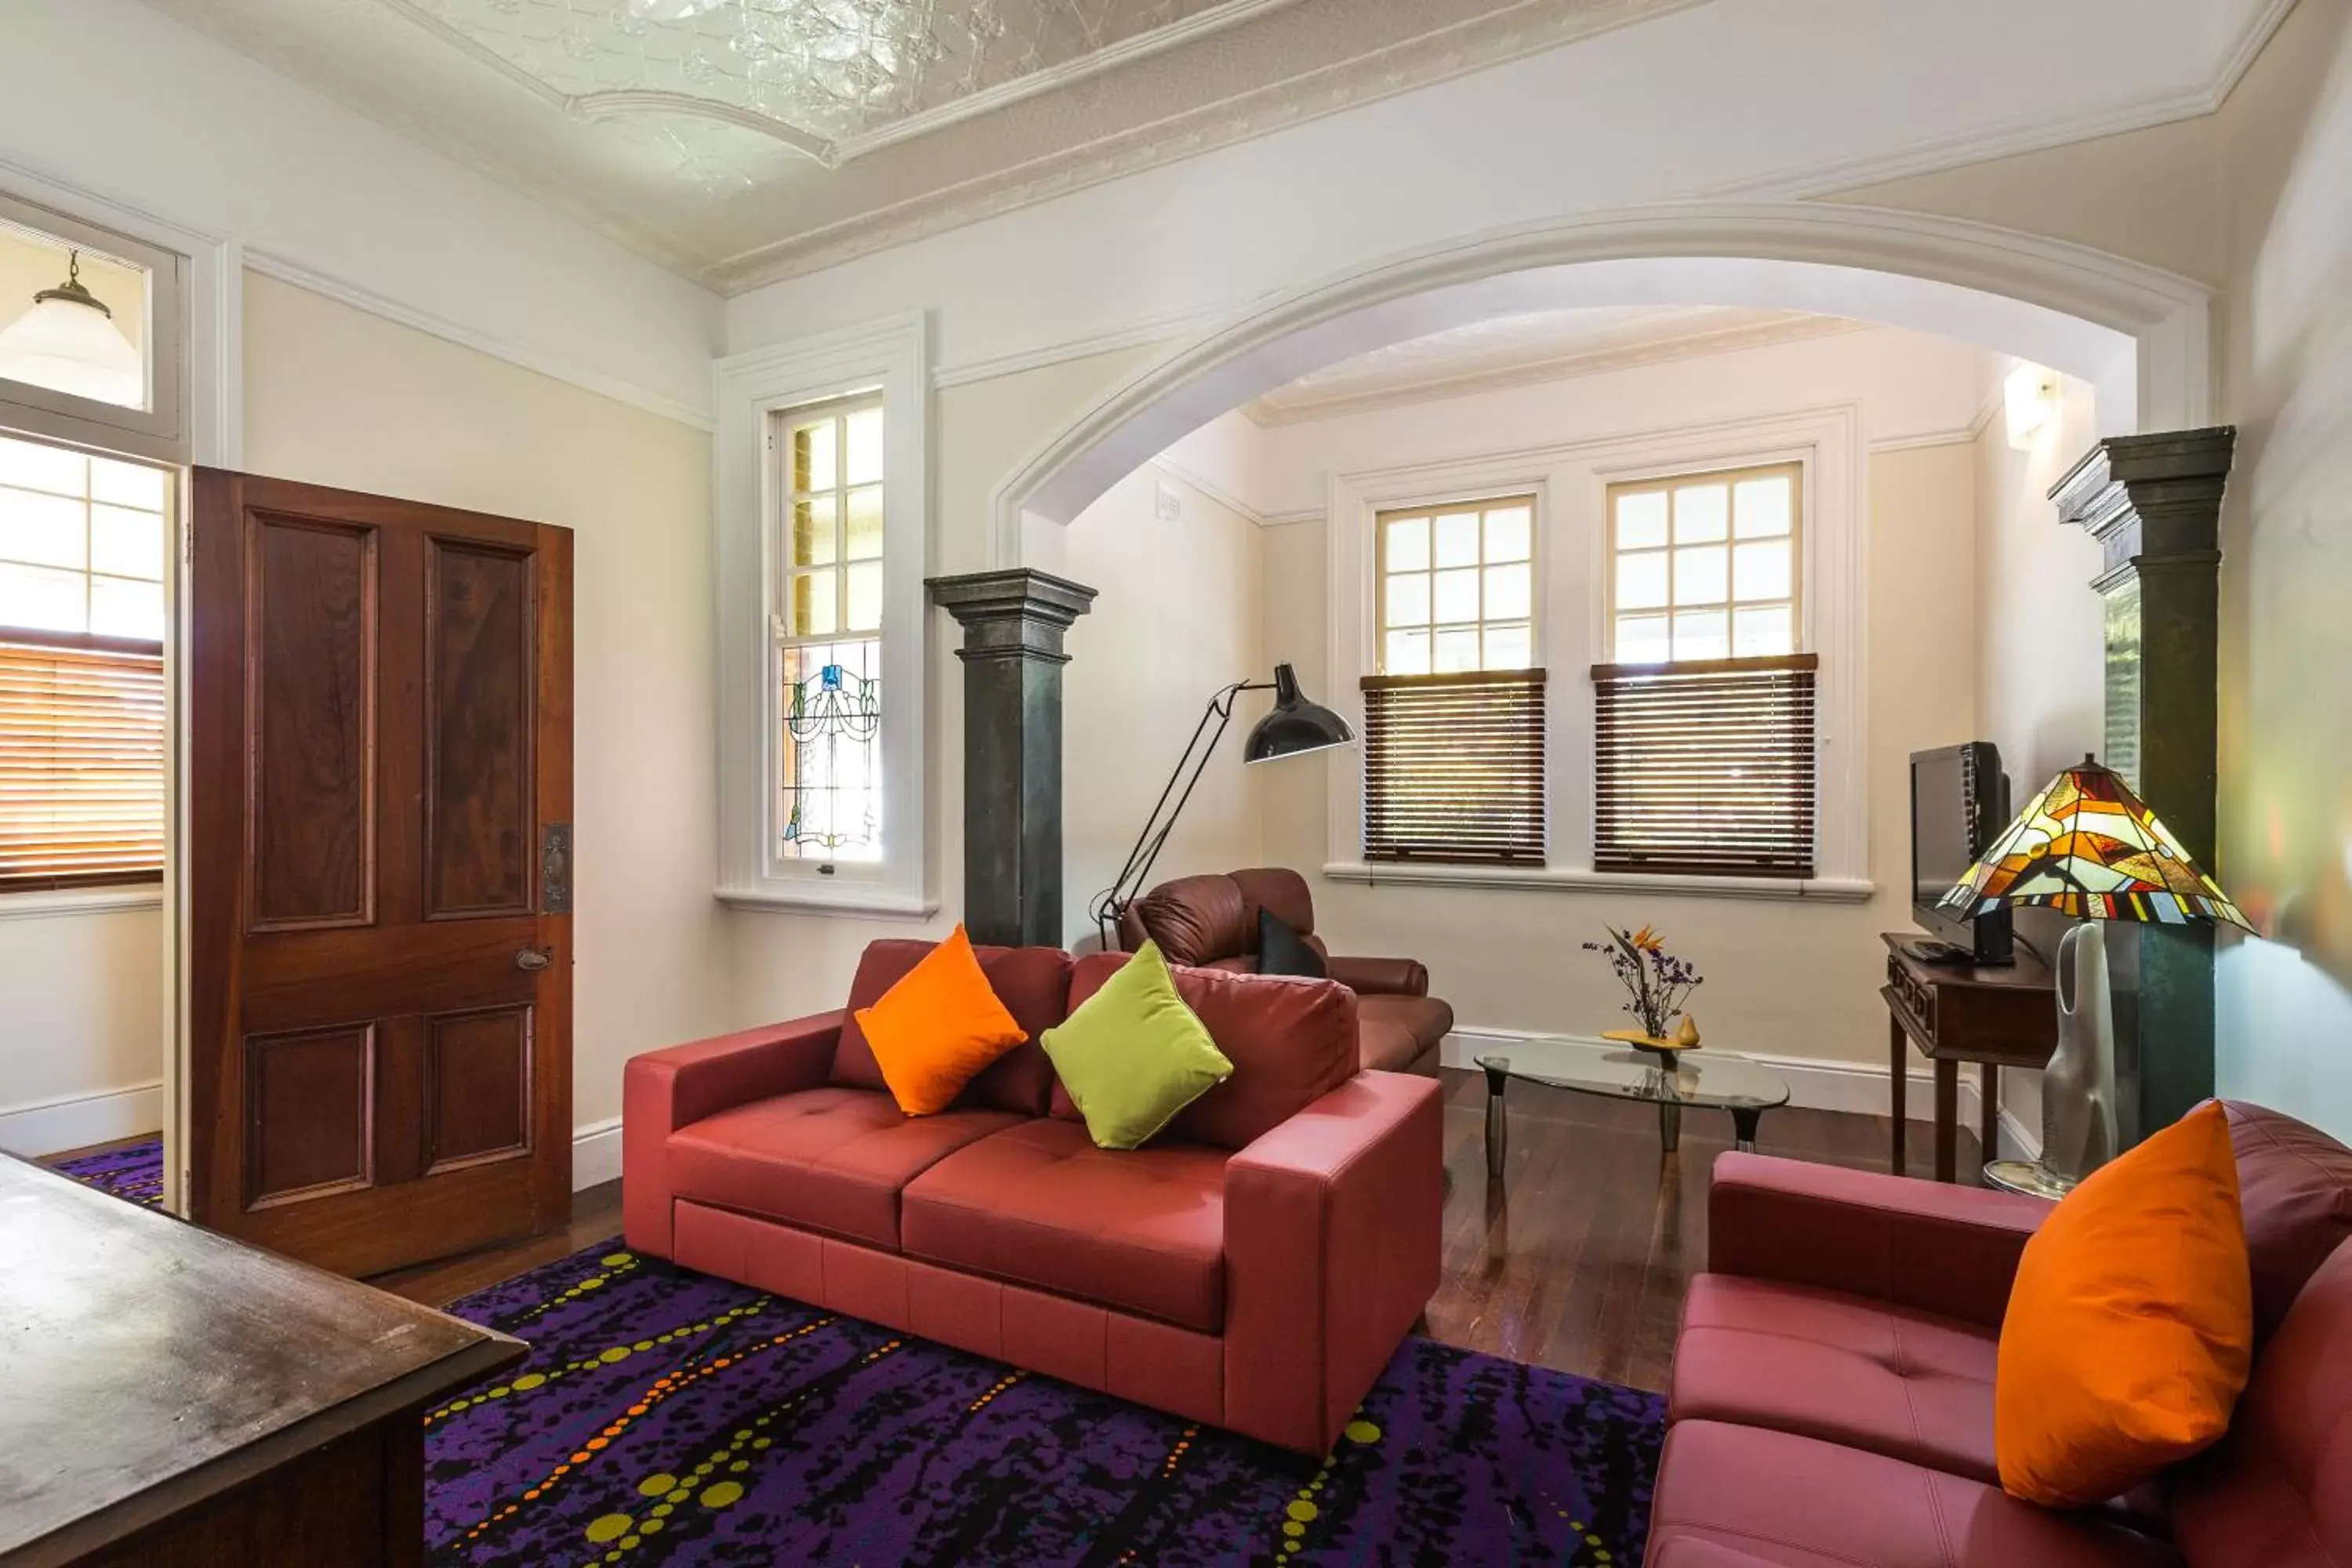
135	1172
667	1417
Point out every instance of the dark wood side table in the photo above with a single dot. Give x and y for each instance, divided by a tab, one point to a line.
176	1399
1999	1016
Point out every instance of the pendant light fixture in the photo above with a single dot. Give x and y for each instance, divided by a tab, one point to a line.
69	342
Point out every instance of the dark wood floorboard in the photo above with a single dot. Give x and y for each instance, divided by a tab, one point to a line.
1578	1260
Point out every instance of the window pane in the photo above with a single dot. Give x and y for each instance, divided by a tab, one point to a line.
1702	512
1702	633
126	544
866	447
812	531
1408	654
44	530
121	608
1756	633
830	758
1457	598
1457	539
1408	603
1641	639
38	598
1456	650
812	456
132	485
1702	575
1509	534
1761	571
1509	592
1408	544
866	524
1641	581
1510	647
1642	520
1761	507
866	596
812	604
38	468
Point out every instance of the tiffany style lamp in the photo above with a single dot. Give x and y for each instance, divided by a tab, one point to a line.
2089	848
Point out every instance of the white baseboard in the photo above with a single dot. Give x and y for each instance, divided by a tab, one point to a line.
1815	1083
78	1120
595	1152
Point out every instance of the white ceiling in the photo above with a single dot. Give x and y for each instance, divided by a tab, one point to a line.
767	138
1520	350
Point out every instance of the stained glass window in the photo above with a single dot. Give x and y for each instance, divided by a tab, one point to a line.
1706	566
828	633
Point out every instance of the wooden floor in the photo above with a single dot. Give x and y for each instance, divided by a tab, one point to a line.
1577	1259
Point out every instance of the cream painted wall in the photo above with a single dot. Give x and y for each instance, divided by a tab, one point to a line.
1784	977
1178	617
81	1047
336	396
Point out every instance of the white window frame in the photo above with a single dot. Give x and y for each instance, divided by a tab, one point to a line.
752	388
1571	483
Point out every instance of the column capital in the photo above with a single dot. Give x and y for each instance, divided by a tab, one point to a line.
2157	496
1019	611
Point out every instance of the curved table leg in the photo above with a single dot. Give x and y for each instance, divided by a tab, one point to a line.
1498	1078
1670	1127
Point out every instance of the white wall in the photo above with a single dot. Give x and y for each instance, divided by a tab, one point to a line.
1793	978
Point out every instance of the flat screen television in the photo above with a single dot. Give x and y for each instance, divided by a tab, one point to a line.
1959	802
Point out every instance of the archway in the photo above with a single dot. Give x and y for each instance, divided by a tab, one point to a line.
2140	334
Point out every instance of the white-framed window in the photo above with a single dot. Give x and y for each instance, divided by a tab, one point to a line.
1456	586
822	545
1706	565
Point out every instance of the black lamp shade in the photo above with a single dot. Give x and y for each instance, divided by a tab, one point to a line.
1296	725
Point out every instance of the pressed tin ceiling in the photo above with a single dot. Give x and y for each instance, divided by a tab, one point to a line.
759	139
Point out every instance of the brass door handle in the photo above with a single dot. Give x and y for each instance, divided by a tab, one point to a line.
532	958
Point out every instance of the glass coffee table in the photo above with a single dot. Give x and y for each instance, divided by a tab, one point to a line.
1702	1080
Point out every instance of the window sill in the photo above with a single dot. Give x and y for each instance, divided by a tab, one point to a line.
80	901
1568	880
844	898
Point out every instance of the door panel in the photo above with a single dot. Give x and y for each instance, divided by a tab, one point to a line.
379	743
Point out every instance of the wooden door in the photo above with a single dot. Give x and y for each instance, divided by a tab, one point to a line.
380	943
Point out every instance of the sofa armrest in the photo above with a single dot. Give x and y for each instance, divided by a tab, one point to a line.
1928	1246
1332	1227
1381	976
663	1090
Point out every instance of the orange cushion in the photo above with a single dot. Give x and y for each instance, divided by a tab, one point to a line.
2130	1329
936	1029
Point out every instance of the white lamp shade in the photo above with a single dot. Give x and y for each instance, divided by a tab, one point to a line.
73	348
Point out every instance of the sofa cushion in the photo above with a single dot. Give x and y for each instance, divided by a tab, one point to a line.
1398	1031
1034	984
831	1159
938	1028
1798	1503
1197	920
1291	1042
2295	1186
1904	1384
1283	950
1038	1205
2276	1493
1132	1055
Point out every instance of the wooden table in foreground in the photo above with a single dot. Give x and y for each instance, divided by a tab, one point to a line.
170	1398
2002	1015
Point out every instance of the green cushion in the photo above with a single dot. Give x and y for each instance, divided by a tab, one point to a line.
1133	1055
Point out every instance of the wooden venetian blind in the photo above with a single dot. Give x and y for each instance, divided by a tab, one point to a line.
81	761
1705	766
1454	766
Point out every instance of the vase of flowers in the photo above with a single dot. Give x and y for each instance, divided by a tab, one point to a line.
1656	983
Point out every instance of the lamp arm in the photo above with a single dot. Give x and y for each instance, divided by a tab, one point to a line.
1113	902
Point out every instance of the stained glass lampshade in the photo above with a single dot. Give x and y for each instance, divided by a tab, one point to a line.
2091	849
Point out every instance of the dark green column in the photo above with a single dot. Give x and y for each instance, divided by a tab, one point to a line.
2154	503
1012	623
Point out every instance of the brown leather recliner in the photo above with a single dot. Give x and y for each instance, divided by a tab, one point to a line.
1211	922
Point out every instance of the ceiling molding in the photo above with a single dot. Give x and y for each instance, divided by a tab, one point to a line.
2250	40
302	275
1210	488
1271	410
1150	331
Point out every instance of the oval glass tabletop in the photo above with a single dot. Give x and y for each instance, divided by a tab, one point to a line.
1706	1080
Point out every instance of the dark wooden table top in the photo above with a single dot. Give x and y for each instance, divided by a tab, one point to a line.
147	1365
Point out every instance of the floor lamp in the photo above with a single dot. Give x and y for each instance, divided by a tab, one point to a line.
1293	727
2091	849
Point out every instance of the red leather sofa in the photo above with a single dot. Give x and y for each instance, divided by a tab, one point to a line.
1833	1386
1253	1268
1211	922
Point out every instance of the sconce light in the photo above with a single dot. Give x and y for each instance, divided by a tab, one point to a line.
2030	399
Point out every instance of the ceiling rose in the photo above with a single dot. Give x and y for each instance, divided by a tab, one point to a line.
831	78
